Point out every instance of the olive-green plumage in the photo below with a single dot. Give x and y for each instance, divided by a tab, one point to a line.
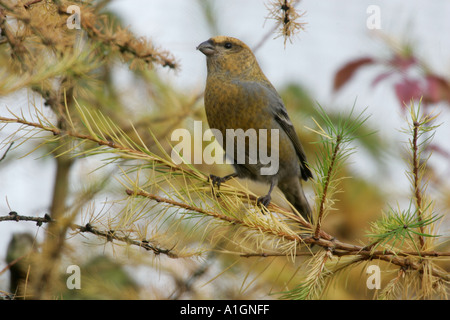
239	96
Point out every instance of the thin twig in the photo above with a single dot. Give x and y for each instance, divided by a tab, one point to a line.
326	185
111	235
59	132
371	254
88	228
264	38
4	154
28	4
14	216
185	206
416	177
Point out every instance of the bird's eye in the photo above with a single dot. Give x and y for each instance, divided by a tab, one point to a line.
228	45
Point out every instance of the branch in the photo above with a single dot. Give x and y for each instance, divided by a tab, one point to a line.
231	220
416	178
335	246
327	183
14	216
371	254
137	154
7	150
109	235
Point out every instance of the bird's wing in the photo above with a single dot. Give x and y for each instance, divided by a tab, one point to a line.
279	112
281	116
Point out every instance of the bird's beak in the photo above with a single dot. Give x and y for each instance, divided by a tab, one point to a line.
207	48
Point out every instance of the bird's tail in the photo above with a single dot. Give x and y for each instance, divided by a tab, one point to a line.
293	191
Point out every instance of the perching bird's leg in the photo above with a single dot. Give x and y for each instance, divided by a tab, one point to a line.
265	200
217	181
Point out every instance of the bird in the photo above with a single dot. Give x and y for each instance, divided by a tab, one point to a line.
239	96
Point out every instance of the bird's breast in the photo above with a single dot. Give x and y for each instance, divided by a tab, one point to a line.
232	106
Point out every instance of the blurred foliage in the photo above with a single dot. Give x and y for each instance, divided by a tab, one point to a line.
19	254
111	144
102	278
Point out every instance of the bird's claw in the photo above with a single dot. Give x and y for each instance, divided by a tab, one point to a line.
216	181
264	200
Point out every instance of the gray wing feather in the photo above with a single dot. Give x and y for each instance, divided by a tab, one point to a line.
279	112
281	116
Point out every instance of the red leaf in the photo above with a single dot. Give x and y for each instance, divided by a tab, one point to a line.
347	71
402	62
408	90
437	89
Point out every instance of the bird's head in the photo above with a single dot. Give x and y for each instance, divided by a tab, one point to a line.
228	56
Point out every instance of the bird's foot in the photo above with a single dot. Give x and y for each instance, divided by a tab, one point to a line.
264	200
217	181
